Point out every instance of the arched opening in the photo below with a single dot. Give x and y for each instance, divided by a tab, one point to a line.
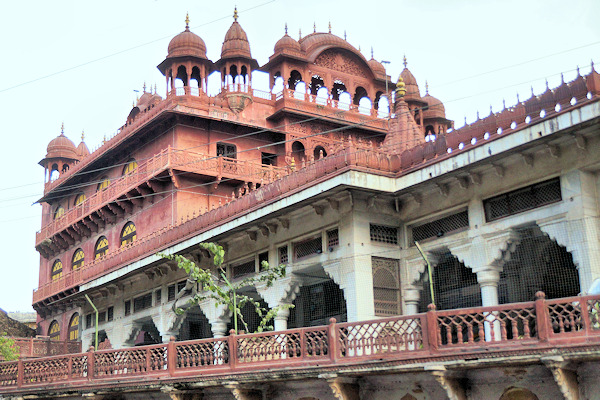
377	97
359	94
316	83
337	89
101	247
147	335
74	327
128	234
295	78
278	85
59	212
181	80
244	74
195	325
249	314
300	90
319	152
54	330
298	153
65	168
518	394
344	101
322	95
54	174
80	198
130	166
57	270
319	299
78	259
233	73
364	106
103	185
195	81
538	264
383	107
429	133
454	285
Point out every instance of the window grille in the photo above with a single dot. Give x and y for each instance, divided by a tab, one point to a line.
88	321
268	158
101	316
110	313
142	302
283	255
127	307
263	257
333	238
181	286
246	268
386	286
74	327
171	293
78	259
440	227
523	199
316	303
308	247
226	150
384	234
157	296
54	331
57	270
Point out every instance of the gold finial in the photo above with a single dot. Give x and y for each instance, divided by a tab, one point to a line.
405	61
155	88
62	128
329	26
104	139
235	14
82	135
286	28
372	53
400	88
300	33
187	21
426	88
359	48
314	27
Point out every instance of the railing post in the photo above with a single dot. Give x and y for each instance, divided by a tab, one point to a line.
542	317
585	314
332	339
31	347
233	350
20	372
90	363
70	367
171	356
432	328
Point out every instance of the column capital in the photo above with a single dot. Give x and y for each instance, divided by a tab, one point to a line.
488	276
283	290
491	249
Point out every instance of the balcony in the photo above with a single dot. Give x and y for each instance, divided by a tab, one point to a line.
567	325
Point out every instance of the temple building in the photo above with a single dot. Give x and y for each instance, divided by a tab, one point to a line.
337	172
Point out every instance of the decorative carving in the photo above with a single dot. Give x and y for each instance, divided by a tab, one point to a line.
565	378
344	389
451	386
334	60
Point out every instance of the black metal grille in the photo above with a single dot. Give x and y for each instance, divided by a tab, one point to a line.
283	255
142	302
308	247
157	297
128	307
333	238
110	312
263	257
245	268
384	234
386	286
316	303
440	227
523	199
171	292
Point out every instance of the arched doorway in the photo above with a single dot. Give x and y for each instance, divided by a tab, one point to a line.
298	153
319	152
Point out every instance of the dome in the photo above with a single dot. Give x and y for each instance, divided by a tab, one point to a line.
61	147
376	67
82	150
236	42
315	43
187	44
435	108
287	43
412	88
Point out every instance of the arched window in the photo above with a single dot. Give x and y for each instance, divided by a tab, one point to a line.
104	182
57	270
101	247
74	327
54	331
78	259
60	211
80	198
128	234
130	167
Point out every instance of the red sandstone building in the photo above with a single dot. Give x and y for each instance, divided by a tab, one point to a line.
337	177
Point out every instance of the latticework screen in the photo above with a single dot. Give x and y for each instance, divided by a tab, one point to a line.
316	304
308	247
386	286
440	227
383	234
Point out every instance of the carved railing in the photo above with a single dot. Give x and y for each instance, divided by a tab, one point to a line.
44	346
543	325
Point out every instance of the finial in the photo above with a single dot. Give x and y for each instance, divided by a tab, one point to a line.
578	71
547	88
562	77
235	14
405	63
187	21
286	28
426	88
314	27
62	128
532	94
345	38
371	52
359	48
329	26
104	139
465	120
144	88
518	99
478	115
593	69
491	110
300	33
400	88
503	104
82	135
155	88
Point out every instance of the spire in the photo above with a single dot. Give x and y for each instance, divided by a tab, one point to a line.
329	26
405	63
235	14
82	135
593	69
286	28
426	88
578	71
562	77
547	87
345	38
503	104
532	94
372	53
144	87
155	88
62	128
491	110
299	33
314	27
518	99
477	115
187	22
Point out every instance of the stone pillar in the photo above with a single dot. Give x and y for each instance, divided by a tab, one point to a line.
282	294
281	319
488	281
412	296
218	316
218	328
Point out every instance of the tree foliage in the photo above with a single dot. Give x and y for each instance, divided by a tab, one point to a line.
8	350
205	284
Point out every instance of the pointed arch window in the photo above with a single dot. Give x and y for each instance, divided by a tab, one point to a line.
78	259
54	330
80	198
57	270
104	182
128	234
74	327
101	247
59	212
130	166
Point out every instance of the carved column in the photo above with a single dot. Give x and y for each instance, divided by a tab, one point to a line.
452	386
564	376
412	296
344	388
218	317
281	294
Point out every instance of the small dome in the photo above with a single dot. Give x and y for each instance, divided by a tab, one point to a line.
376	67
82	150
412	88
287	43
435	108
187	44
236	42
61	147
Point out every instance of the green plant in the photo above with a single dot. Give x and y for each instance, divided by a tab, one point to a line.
8	350
205	285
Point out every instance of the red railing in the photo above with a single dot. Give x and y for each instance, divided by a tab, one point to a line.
540	325
43	347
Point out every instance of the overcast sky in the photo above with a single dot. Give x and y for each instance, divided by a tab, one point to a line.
81	63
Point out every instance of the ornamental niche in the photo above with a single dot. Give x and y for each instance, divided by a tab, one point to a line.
334	60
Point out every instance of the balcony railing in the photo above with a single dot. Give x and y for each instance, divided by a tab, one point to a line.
43	346
541	325
168	158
